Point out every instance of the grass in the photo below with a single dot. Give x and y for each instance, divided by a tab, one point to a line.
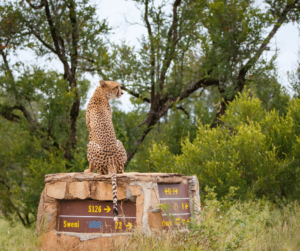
15	237
225	226
242	226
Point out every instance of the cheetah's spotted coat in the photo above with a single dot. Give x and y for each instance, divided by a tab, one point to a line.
105	153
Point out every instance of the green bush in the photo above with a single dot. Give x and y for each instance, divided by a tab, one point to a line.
255	150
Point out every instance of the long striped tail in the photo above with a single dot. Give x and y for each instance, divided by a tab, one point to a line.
115	197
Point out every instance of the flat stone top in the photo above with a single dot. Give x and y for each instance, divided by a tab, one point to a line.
127	177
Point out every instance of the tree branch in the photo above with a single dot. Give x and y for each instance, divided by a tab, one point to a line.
33	123
36	7
74	55
34	32
4	56
280	20
56	38
152	49
135	94
204	82
184	110
171	44
14	207
6	113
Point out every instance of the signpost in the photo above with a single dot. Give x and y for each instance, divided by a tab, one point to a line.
177	196
90	216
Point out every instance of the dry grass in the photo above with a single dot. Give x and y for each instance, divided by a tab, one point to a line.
239	226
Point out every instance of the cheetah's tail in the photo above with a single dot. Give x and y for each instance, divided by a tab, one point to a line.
115	197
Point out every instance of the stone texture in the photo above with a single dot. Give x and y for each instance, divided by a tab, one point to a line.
40	212
126	177
135	190
139	210
48	199
171	179
54	241
79	190
103	191
49	217
154	198
56	190
155	220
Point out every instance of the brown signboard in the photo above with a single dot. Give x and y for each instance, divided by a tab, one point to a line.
177	197
90	216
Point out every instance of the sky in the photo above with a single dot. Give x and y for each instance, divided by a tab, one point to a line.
125	18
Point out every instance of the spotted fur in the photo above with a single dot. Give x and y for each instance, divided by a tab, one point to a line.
105	153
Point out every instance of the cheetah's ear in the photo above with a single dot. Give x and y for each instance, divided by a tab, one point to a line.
102	83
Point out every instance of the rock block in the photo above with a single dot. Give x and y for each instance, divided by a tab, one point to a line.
54	241
154	198
139	210
79	190
103	191
155	220
135	190
56	190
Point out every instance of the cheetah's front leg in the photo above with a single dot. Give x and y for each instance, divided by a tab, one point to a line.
91	168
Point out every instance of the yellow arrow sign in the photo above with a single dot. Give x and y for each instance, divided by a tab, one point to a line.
107	209
186	206
129	226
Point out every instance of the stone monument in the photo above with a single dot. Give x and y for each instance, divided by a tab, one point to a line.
75	210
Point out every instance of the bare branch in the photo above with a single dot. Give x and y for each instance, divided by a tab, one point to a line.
204	82
73	19
184	110
38	6
173	39
281	19
135	94
34	32
56	39
242	74
152	49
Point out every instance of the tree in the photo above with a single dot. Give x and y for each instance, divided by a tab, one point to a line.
198	44
67	31
42	128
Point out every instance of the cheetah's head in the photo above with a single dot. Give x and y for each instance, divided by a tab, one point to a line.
111	89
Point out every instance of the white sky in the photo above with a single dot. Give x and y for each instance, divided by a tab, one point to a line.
118	11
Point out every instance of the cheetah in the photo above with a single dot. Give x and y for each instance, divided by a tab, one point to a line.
105	153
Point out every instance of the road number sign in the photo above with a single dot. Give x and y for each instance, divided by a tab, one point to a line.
177	196
91	216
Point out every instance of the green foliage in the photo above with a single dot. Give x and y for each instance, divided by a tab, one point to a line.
36	145
24	164
263	81
188	61
255	150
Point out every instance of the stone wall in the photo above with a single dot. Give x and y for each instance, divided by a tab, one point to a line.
141	188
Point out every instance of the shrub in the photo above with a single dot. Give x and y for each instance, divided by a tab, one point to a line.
255	150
